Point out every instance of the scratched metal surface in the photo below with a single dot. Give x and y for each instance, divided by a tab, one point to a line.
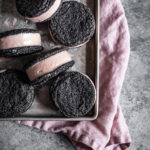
84	57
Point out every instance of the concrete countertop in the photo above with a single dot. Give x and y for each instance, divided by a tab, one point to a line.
135	96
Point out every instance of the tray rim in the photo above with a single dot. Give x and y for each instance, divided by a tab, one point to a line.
97	47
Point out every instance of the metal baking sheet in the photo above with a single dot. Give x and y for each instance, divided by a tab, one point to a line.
86	61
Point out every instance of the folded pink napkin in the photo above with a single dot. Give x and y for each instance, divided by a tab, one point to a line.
109	131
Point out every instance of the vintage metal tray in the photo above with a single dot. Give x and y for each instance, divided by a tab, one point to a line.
86	58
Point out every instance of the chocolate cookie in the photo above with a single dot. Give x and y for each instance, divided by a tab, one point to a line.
73	25
73	93
16	95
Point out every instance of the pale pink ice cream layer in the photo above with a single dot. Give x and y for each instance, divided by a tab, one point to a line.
20	40
48	13
48	65
109	131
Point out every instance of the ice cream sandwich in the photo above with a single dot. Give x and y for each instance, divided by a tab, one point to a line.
48	65
73	93
73	25
37	10
16	95
20	42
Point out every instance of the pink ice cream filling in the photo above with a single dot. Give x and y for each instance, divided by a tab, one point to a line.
48	13
48	65
20	40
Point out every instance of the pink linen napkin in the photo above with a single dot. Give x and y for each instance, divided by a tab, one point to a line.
109	131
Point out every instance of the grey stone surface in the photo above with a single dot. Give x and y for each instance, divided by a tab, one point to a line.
19	137
135	96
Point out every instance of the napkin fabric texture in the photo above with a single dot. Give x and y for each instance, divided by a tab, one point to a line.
109	131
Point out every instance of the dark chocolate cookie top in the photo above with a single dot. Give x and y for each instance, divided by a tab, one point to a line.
74	24
16	95
33	8
73	93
